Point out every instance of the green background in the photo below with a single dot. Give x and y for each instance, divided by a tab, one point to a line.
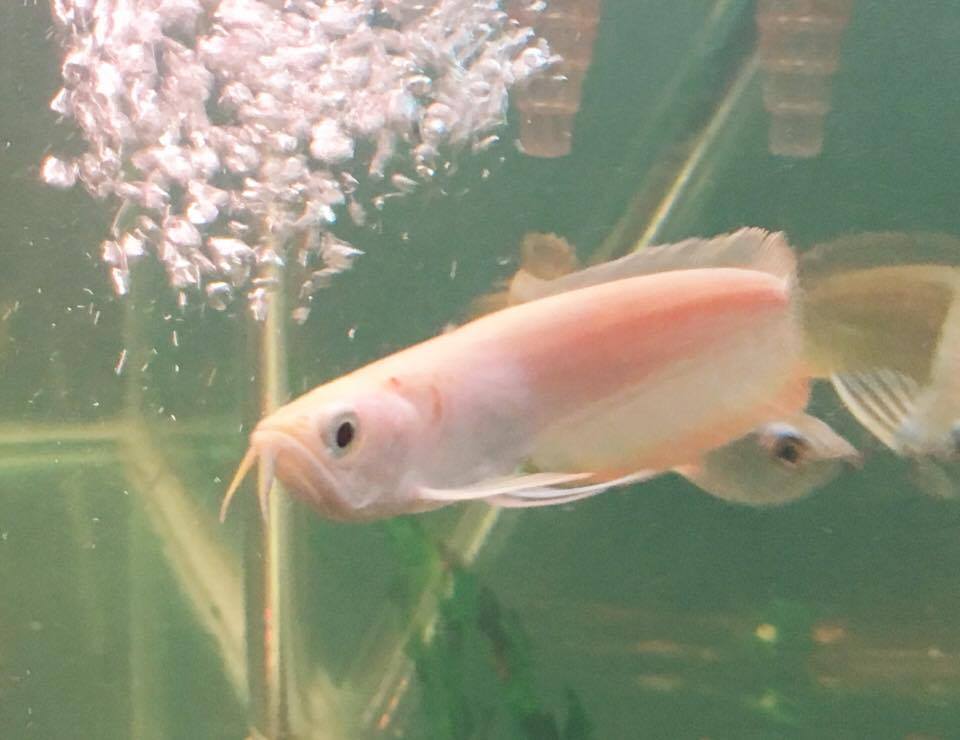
634	614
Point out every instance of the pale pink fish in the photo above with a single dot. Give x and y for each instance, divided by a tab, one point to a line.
558	398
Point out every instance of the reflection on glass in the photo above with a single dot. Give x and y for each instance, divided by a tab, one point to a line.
799	53
549	103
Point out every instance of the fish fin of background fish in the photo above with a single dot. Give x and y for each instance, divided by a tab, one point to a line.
547	256
489	303
883	316
543	257
748	249
880	248
879	298
521	288
933	479
511	484
935	423
881	400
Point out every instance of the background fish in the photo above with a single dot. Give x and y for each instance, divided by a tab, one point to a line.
882	320
542	257
776	463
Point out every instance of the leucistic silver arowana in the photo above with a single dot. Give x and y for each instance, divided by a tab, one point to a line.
645	364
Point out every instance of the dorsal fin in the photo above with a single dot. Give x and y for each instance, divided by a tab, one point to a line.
749	249
548	264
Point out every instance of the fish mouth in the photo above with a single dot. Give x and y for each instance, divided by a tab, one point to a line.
282	456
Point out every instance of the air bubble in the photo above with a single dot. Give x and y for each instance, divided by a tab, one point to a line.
317	108
218	295
58	173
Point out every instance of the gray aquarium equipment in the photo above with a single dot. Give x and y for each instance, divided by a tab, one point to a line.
130	381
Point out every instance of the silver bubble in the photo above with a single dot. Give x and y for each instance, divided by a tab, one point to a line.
232	120
218	295
58	173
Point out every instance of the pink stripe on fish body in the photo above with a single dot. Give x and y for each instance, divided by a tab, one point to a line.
580	348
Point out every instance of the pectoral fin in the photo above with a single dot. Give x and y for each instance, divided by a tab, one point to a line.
549	496
506	485
881	400
534	489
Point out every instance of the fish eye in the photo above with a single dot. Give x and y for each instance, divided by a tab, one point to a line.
785	444
789	449
342	433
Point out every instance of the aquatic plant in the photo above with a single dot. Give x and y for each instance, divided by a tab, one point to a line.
478	640
241	131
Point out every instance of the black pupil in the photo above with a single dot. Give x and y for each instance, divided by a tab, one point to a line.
788	450
344	434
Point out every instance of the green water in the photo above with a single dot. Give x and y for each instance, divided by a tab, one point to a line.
651	613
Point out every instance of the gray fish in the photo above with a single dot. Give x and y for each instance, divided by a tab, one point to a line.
882	321
775	464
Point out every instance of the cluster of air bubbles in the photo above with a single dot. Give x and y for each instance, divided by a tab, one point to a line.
237	132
